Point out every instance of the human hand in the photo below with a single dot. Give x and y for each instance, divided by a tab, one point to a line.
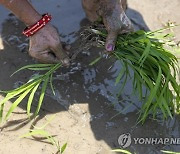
115	21
45	46
113	15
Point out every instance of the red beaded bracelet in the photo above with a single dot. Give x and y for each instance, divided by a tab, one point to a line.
31	30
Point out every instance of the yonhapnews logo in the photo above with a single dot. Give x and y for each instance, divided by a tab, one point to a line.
126	139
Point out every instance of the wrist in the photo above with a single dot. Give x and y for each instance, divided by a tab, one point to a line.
32	19
38	25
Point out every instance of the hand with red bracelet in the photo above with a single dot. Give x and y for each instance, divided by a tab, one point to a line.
45	44
46	47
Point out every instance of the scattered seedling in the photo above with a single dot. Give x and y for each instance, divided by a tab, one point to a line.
127	152
121	151
40	131
169	152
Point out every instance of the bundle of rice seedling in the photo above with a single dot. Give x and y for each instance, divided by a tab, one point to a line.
146	53
155	67
30	89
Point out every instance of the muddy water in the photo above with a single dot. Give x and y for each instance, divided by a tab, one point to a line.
81	84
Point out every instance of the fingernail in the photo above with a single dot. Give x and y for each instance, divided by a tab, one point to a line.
66	61
110	47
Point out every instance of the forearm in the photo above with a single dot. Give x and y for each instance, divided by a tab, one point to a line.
23	10
106	5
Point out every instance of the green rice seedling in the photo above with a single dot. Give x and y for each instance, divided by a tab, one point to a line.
121	151
155	67
49	137
29	89
40	131
127	152
169	152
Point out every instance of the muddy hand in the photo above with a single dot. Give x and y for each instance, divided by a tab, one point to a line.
115	20
46	47
114	17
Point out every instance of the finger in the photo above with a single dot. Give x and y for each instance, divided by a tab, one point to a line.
111	40
67	48
44	56
61	55
127	27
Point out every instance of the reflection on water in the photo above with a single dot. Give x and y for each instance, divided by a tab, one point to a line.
3	15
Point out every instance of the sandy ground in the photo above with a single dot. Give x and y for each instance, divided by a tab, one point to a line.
85	95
